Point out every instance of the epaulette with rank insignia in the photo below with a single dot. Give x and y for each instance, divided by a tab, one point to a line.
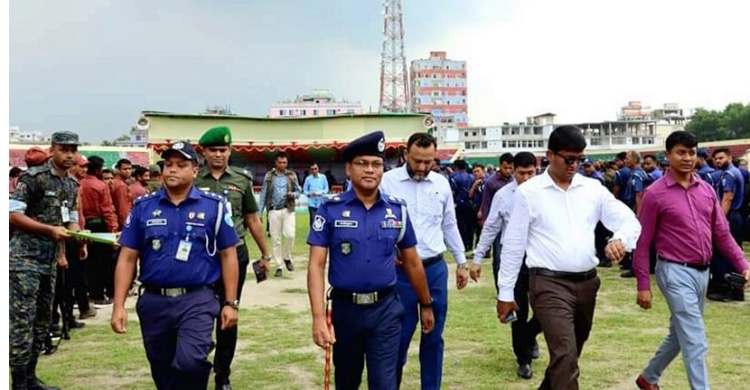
213	196
396	200
333	199
33	171
243	172
142	198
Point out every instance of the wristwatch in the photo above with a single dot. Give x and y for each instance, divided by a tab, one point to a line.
265	257
463	265
235	304
427	305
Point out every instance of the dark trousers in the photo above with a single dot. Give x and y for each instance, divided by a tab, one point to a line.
177	336
466	219
101	268
601	235
523	330
31	296
71	285
431	346
565	310
313	211
226	340
497	247
370	331
720	265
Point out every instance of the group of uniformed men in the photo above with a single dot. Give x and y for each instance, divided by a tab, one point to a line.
385	240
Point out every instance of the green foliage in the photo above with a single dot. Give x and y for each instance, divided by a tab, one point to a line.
731	123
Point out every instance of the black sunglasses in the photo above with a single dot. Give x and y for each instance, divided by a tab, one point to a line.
570	160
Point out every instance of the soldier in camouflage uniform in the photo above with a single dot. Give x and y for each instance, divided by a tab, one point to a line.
42	207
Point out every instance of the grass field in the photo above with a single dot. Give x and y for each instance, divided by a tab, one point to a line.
276	351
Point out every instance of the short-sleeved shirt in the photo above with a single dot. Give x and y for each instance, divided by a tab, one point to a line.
362	243
41	194
156	227
732	181
707	174
461	183
237	187
636	183
622	177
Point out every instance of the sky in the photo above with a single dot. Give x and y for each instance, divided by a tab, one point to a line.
92	66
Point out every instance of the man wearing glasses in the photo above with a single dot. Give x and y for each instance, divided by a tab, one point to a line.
554	217
315	188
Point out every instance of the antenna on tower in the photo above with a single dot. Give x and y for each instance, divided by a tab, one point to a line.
394	81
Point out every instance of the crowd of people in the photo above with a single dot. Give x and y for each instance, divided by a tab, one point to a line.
547	224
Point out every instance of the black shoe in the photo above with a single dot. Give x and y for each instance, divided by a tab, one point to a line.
719	297
100	303
91	312
37	384
524	371
737	295
54	328
627	274
73	324
535	351
225	386
289	265
18	377
278	273
605	264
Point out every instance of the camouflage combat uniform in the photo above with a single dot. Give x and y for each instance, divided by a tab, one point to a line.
33	257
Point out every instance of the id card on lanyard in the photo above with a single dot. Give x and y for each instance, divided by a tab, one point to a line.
65	211
183	250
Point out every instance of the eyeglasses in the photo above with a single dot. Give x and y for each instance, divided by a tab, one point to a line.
361	164
570	160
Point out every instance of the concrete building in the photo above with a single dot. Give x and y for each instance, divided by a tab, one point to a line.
316	104
138	138
634	111
438	87
16	136
529	135
671	113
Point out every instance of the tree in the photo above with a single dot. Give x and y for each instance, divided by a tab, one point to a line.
731	123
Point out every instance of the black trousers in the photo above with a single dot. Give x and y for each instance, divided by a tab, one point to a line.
100	265
70	286
720	265
523	330
466	218
226	340
312	211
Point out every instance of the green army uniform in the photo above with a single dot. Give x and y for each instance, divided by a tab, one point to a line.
236	185
154	185
44	196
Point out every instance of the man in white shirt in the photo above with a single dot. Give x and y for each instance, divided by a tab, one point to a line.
429	200
523	332
554	216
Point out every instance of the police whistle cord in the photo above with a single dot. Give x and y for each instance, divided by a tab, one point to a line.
329	347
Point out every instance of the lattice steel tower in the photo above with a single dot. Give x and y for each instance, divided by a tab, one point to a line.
394	80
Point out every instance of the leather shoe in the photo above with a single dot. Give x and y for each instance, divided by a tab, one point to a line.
87	314
535	351
73	324
225	386
278	273
643	385
289	265
719	297
524	371
627	274
37	384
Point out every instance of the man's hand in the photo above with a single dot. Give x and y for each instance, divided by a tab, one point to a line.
59	233
428	320
475	271
265	264
644	299
462	278
228	317
62	261
504	308
119	321
746	274
615	250
83	251
290	195
321	336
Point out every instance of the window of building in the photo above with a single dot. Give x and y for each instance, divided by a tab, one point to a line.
303	112
505	144
281	112
538	130
137	137
596	141
350	111
435	93
484	144
506	131
473	133
315	112
484	131
330	112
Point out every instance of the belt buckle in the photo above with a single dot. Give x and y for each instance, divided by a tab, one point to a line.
173	292
366	299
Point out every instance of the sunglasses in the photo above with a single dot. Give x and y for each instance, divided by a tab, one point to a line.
570	160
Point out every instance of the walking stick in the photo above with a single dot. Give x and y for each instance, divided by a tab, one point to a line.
327	369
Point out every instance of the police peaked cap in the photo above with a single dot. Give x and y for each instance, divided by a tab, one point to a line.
372	144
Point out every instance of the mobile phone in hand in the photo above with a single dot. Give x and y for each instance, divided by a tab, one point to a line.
511	317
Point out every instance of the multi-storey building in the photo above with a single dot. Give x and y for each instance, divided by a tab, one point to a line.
438	87
318	103
16	136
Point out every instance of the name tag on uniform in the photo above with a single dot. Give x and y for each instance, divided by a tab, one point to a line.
345	223
65	211
391	224
183	250
156	222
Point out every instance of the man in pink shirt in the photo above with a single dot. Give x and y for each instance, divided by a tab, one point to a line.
138	188
682	217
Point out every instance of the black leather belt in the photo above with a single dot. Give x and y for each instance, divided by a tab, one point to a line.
697	266
572	276
431	261
172	291
362	298
278	208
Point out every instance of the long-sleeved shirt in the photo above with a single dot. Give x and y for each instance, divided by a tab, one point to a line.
430	206
315	188
278	197
121	200
684	224
492	185
96	202
555	227
496	220
136	189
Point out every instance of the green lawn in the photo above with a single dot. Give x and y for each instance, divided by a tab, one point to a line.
276	350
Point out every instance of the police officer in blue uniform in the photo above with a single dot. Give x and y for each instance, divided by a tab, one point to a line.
186	240
362	230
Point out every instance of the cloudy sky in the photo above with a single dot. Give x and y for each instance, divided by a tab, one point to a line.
92	65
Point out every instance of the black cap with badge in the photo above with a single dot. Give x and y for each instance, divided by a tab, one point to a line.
372	144
184	149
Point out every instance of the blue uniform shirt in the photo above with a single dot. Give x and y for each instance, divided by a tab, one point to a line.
732	181
461	182
636	183
155	228
707	174
656	174
362	243
622	178
595	175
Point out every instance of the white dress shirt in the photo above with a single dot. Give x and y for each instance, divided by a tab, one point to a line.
555	228
431	210
497	220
